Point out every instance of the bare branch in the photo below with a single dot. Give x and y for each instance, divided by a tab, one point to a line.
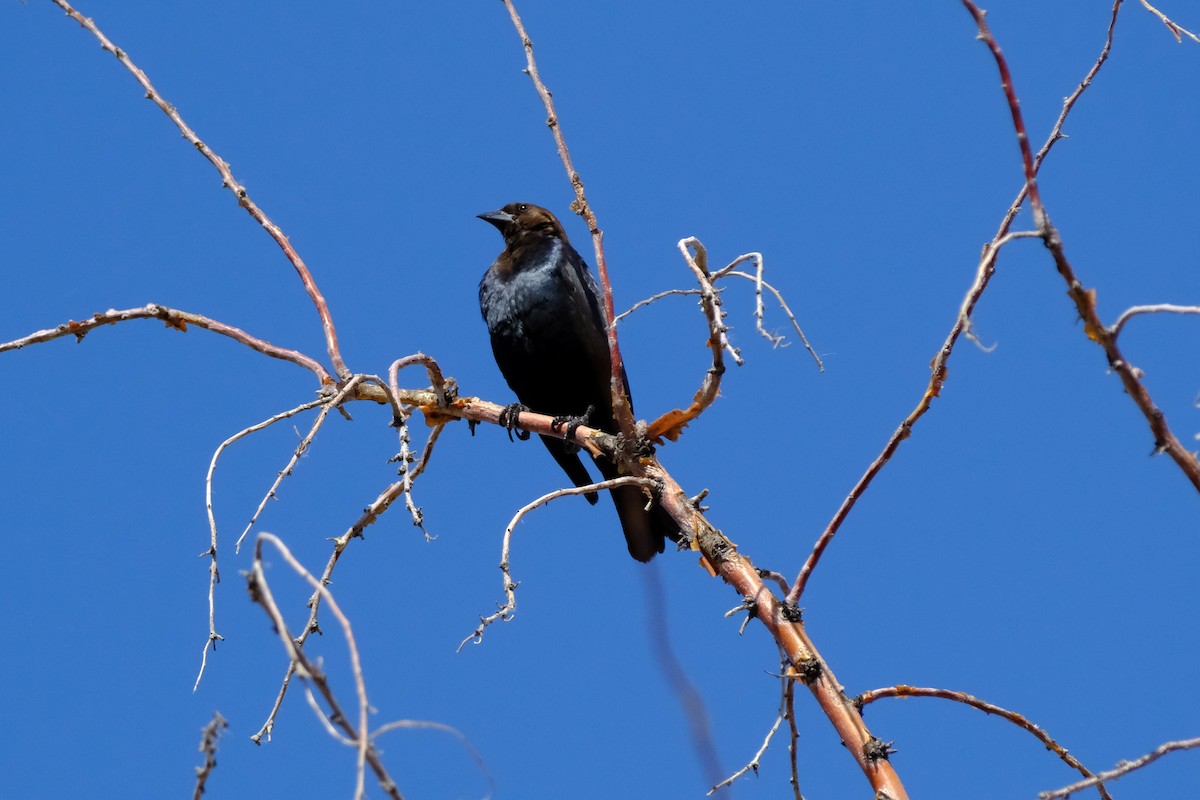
671	424
783	622
227	181
622	411
983	274
1161	308
1176	31
752	764
962	697
260	593
214	576
1122	769
174	318
208	746
938	369
422	724
1085	300
505	611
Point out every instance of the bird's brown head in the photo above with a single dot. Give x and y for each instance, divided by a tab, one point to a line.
521	221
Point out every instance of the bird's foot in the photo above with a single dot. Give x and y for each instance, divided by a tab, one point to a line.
572	424
508	420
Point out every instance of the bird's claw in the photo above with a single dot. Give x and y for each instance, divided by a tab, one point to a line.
573	424
509	417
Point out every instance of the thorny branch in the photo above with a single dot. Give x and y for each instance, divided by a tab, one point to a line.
622	411
208	746
988	708
228	181
962	323
1122	769
1084	299
752	765
357	735
214	575
174	318
505	611
671	424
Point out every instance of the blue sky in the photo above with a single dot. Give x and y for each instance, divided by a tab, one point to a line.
1022	546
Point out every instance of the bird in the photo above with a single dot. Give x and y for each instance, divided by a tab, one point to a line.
549	336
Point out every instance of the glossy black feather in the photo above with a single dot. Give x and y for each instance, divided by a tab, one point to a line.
547	326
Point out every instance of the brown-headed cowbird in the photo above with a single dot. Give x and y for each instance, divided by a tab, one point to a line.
542	308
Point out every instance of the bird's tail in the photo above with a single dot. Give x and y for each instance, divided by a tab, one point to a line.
646	530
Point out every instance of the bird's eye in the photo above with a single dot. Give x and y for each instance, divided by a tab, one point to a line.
522	207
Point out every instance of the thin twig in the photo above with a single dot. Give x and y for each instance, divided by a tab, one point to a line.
759	314
1175	30
423	724
789	704
988	708
214	576
1122	769
653	299
208	746
622	411
756	759
671	424
174	318
760	284
983	274
228	181
505	611
1161	308
1085	300
938	369
358	736
328	405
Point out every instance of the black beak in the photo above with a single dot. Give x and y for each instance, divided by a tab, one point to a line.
501	219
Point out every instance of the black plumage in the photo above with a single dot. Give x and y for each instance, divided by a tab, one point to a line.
542	308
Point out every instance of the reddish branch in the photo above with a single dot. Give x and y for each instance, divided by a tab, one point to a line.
970	700
1085	299
622	411
180	320
938	369
228	181
783	623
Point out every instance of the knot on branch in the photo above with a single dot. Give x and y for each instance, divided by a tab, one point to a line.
875	749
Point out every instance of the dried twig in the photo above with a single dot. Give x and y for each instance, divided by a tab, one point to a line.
622	411
1085	300
228	181
328	405
174	318
1122	769
962	697
938	369
1161	308
208	746
355	734
1177	31
983	273
671	424
756	759
505	611
214	576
